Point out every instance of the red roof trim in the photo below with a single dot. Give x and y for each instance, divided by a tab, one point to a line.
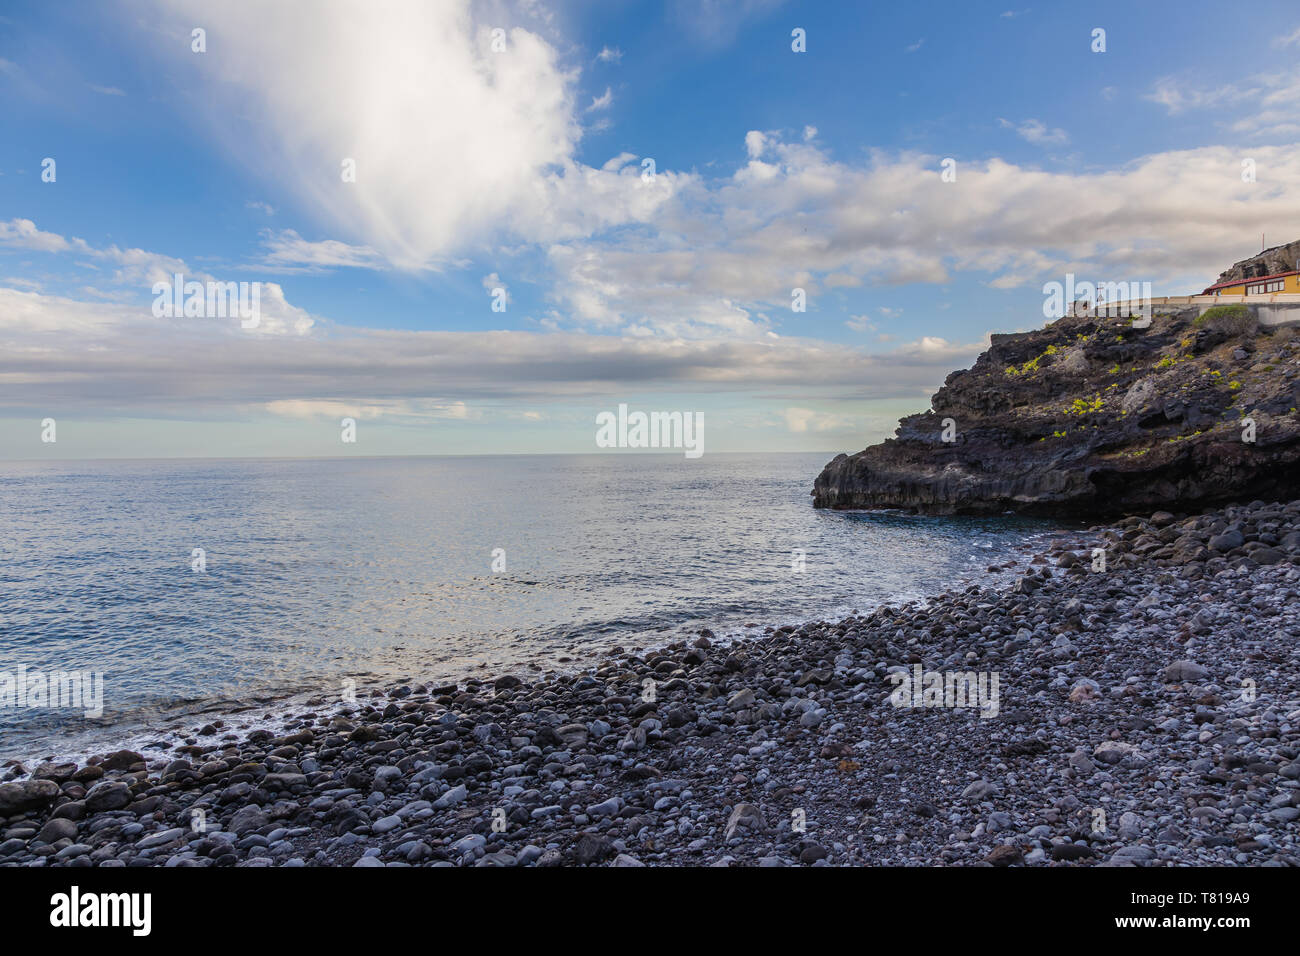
1276	275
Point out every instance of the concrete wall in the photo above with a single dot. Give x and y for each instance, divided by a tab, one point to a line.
1277	308
1277	314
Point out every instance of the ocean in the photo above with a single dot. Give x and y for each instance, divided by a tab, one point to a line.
315	572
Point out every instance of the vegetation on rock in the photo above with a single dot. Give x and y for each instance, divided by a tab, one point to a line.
1093	416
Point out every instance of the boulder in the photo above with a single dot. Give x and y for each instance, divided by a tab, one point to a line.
1183	671
23	795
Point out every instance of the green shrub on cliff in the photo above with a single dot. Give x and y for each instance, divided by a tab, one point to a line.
1083	406
1230	319
1028	368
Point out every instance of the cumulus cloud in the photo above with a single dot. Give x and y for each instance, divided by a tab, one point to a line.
456	145
721	257
673	254
23	234
135	272
133	266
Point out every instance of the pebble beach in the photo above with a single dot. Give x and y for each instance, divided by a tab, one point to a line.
1147	713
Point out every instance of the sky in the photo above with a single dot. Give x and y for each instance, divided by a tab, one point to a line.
473	227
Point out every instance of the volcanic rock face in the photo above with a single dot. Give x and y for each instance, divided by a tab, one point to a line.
1269	262
1091	416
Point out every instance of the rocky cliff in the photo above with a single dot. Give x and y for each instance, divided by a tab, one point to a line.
1268	263
1091	416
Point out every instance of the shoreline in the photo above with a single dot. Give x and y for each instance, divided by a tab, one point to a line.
1121	707
154	730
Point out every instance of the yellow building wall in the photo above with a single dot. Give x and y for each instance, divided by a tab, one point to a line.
1292	284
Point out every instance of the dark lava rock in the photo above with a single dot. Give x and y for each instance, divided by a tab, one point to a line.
1005	855
591	848
812	852
25	795
1228	540
108	796
58	829
123	760
1091	416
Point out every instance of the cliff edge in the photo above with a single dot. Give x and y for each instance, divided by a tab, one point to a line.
1093	417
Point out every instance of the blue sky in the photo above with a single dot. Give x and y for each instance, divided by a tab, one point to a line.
520	167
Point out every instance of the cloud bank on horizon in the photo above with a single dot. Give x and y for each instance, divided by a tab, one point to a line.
476	225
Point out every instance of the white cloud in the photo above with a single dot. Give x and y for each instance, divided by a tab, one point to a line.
421	410
23	234
1275	110
136	267
721	257
1266	104
1177	97
1036	132
135	273
601	102
108	90
70	333
110	357
913	47
456	147
288	249
609	54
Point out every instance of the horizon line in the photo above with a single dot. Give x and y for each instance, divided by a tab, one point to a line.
621	453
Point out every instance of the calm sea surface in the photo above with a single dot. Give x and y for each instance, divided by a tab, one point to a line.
381	569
